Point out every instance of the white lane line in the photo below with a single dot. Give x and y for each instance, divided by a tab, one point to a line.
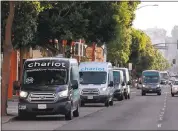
162	113
159	125
161	118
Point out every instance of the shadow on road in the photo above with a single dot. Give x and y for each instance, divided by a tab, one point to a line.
148	95
43	118
92	105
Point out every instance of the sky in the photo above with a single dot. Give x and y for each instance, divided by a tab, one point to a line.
165	15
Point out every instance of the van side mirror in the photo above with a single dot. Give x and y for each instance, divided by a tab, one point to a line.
74	84
16	85
111	84
129	83
123	83
161	83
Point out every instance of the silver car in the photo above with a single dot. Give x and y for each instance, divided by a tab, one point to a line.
174	88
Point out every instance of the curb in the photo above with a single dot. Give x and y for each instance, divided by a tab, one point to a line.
13	100
9	120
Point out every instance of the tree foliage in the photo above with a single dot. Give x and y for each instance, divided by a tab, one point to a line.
74	20
119	47
25	21
144	55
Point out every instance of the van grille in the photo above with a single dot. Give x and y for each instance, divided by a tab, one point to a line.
42	97
89	91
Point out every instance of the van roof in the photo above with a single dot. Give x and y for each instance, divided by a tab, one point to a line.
93	62
54	58
150	70
121	68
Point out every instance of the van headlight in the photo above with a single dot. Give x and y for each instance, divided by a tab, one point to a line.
175	88
143	85
63	93
23	94
103	88
158	86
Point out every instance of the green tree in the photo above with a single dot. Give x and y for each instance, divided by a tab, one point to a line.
119	47
20	19
143	55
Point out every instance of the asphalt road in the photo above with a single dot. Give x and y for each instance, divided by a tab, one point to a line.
149	112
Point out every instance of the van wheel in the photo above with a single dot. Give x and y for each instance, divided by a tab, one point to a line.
172	95
159	93
107	103
111	103
76	112
120	98
128	96
69	115
82	104
125	96
143	93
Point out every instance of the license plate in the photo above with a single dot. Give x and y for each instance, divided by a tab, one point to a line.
42	106
90	97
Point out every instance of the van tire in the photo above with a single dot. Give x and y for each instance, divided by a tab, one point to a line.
159	93
128	96
69	115
172	94
125	96
82	104
120	98
76	112
111	103
143	93
107	103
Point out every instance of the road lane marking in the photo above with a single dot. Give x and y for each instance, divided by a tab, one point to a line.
159	125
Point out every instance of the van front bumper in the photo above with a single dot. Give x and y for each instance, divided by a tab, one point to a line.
118	93
95	99
51	108
151	90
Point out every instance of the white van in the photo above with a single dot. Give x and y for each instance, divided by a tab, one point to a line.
96	83
118	85
127	82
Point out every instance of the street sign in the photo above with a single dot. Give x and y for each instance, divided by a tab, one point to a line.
130	66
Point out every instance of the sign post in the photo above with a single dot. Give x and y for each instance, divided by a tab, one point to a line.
130	66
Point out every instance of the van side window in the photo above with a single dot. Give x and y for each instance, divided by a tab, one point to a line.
110	76
74	75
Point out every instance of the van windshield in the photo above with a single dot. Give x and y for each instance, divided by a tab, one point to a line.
45	77
150	79
164	76
93	77
124	74
176	83
116	75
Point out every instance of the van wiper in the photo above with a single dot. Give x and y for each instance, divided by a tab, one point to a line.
32	88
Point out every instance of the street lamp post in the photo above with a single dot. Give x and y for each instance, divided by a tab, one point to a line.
146	6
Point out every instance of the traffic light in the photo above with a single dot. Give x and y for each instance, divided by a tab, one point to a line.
174	61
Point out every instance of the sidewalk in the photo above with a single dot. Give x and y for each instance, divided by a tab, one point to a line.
6	119
12	111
